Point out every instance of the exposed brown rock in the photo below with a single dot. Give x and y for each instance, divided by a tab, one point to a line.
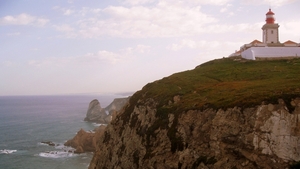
265	136
86	141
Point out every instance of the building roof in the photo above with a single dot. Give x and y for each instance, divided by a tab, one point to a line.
290	42
255	42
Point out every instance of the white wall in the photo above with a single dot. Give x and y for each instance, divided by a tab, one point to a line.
272	37
265	52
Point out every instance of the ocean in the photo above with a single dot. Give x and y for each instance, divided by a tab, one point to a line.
27	121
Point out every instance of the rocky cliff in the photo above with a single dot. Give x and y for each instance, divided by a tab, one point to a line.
96	113
223	114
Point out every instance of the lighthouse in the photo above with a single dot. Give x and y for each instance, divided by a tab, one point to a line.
270	30
270	47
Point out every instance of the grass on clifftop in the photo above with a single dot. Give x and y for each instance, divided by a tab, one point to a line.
226	82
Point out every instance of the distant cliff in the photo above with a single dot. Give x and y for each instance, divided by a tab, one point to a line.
224	114
96	113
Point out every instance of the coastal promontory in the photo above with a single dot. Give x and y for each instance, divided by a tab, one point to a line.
226	113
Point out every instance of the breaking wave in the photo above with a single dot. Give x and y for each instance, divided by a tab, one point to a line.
61	151
57	154
7	151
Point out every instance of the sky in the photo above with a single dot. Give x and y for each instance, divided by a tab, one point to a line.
111	46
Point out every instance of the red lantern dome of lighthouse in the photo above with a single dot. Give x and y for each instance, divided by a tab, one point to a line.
270	17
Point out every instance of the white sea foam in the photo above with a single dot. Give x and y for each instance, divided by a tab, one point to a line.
99	124
63	151
43	144
57	154
64	148
7	151
96	124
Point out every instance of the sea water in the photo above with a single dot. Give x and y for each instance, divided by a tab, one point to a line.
27	121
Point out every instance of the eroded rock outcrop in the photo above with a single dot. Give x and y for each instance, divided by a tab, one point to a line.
142	136
86	141
96	113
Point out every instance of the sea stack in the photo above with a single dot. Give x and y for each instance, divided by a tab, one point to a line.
95	113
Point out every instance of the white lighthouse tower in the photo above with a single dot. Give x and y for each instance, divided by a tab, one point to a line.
270	30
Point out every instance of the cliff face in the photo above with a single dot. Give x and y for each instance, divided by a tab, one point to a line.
264	136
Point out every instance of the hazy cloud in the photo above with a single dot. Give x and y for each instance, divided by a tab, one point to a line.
201	44
211	2
66	29
68	11
291	28
242	27
138	2
163	20
23	19
137	50
199	2
13	34
272	3
65	11
89	59
101	56
92	58
225	8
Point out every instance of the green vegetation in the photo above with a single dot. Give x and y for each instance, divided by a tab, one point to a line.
227	83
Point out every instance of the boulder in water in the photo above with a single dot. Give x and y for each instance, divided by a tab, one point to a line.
49	143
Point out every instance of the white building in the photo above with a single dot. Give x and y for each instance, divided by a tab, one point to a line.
270	47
